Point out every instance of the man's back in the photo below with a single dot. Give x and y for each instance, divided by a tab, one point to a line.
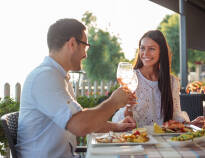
43	115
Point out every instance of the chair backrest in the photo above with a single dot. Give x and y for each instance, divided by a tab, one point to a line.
10	126
192	104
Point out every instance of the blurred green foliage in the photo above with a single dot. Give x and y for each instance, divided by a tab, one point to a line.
170	28
104	53
92	101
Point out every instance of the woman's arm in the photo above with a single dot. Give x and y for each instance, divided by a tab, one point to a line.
119	115
177	114
124	125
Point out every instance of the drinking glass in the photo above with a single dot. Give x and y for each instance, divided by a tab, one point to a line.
127	77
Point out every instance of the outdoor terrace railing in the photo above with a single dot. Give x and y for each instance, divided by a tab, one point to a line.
84	89
17	91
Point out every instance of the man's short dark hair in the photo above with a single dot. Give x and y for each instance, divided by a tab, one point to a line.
61	31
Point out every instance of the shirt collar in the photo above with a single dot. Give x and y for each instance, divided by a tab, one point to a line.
51	62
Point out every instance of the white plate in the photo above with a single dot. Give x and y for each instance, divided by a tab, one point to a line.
151	131
95	143
118	150
199	139
180	143
187	142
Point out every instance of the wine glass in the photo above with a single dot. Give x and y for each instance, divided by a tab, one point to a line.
127	77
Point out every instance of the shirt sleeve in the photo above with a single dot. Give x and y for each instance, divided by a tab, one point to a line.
70	89
178	115
50	92
119	115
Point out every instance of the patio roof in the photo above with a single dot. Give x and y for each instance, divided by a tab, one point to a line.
194	10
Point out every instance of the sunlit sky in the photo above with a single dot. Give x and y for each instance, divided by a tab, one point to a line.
24	25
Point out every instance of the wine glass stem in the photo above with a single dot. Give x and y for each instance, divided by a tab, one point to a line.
129	108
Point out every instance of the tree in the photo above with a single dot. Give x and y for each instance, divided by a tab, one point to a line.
170	28
104	54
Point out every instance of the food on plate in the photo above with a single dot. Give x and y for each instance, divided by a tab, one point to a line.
195	86
158	129
141	129
110	137
135	137
172	126
183	137
189	136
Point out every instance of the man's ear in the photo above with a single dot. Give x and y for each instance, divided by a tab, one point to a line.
72	43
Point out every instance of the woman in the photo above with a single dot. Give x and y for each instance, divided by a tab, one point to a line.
158	91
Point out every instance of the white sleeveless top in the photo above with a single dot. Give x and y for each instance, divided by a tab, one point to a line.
148	108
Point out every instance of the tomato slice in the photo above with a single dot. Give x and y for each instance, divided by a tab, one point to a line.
136	133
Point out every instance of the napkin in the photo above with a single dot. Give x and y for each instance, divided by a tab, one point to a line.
118	150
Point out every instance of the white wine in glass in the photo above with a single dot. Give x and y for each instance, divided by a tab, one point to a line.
126	76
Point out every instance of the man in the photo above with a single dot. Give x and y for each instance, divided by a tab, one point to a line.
50	118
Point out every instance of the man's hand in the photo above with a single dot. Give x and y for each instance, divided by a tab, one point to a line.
95	119
128	112
126	124
122	96
199	121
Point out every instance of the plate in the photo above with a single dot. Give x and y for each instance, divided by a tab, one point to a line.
152	140
180	143
187	142
151	131
118	150
199	139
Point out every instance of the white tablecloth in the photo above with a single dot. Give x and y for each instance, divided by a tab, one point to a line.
161	150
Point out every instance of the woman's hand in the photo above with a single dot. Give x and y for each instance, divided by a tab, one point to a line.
199	121
128	123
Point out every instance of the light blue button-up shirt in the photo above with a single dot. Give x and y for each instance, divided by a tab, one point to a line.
46	106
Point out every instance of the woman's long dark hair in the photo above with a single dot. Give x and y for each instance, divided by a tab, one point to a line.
162	68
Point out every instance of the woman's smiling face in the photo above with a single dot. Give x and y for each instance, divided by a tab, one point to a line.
149	52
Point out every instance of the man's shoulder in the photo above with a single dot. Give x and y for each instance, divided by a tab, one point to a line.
44	70
41	73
